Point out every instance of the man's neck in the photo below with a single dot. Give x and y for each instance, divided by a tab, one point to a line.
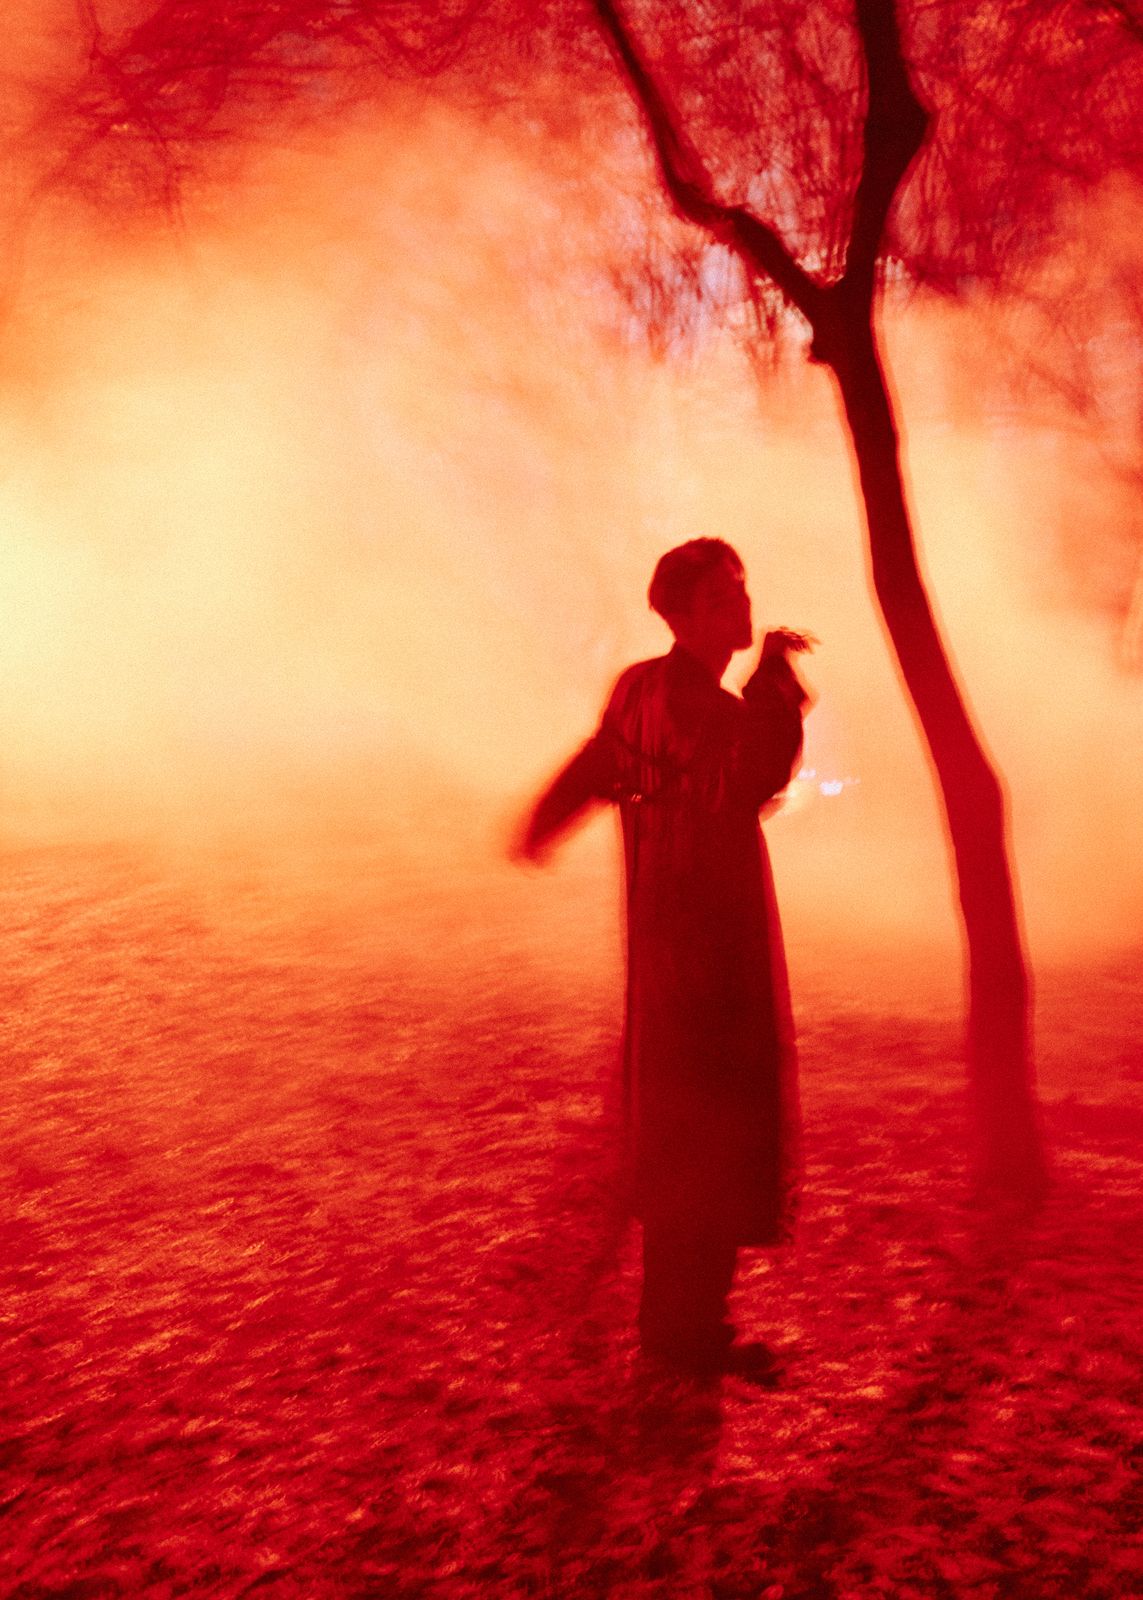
715	658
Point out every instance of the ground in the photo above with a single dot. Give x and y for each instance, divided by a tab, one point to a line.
315	1284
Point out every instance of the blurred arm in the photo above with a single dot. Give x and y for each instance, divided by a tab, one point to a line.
588	778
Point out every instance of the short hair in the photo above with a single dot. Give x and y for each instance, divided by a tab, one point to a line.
680	571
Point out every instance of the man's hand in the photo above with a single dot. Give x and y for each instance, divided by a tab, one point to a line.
523	850
785	642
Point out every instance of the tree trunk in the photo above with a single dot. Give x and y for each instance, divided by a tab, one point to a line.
1008	1152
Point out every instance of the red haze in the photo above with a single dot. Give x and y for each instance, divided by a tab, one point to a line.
337	499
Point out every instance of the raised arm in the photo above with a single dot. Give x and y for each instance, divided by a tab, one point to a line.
775	704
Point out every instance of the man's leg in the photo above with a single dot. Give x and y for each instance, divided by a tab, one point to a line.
687	1274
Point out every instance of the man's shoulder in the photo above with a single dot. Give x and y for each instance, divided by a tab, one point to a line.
635	687
674	689
639	674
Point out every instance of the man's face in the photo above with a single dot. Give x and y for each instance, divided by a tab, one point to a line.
720	611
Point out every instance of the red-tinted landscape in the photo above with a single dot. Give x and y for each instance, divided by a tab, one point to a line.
356	367
314	1282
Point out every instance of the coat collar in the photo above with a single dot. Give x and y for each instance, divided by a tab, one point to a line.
682	662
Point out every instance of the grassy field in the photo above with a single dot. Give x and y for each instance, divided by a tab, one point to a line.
314	1283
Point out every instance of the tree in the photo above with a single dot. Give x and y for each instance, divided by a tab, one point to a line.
839	150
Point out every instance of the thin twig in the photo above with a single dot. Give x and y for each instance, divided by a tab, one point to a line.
689	183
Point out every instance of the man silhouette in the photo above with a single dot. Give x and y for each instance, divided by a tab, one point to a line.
709	1087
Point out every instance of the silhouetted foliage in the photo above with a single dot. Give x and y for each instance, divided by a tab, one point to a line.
1030	101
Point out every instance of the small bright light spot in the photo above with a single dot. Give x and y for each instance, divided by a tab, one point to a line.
834	786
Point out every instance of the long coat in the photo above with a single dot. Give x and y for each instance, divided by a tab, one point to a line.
708	1055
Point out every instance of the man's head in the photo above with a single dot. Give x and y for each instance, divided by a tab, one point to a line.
699	589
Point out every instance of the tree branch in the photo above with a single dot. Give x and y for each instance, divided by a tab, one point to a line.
689	184
895	127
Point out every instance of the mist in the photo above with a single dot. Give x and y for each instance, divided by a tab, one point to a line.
327	511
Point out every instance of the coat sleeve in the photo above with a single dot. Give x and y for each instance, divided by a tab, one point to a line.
772	734
592	776
587	778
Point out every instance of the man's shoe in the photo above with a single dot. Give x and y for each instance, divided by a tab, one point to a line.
754	1362
708	1359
